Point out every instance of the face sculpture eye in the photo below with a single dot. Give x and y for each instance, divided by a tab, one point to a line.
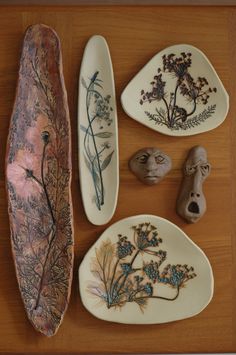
190	170
205	170
142	159
150	165
160	159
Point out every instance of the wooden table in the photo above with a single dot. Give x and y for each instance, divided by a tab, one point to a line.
134	35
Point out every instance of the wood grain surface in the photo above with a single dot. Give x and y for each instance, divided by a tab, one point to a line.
134	36
121	2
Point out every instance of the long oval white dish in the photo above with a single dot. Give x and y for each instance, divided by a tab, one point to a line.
177	93
145	270
98	133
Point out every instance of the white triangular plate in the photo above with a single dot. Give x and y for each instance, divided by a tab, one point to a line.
98	133
177	93
145	270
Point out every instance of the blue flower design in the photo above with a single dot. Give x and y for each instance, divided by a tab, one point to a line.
151	270
126	268
146	236
125	280
148	289
124	247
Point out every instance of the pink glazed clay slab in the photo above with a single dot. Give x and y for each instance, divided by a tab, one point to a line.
38	179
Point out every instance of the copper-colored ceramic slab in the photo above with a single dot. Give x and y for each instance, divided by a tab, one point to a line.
38	170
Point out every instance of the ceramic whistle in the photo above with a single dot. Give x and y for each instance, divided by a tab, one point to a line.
191	203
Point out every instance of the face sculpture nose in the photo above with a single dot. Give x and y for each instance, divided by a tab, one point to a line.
196	190
151	164
195	194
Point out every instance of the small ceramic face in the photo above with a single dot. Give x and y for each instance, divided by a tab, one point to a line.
150	165
191	203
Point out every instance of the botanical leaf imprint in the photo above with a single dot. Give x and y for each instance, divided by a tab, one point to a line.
98	111
195	91
38	164
123	276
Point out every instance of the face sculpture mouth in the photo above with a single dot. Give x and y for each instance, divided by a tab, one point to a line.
193	207
151	177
